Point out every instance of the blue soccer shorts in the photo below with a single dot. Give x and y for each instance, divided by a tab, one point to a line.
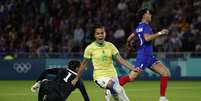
145	61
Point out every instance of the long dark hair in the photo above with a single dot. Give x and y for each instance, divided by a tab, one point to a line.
73	64
140	13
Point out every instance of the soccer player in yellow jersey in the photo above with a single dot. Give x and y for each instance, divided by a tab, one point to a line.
102	53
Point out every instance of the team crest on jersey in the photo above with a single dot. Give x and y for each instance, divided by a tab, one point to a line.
139	30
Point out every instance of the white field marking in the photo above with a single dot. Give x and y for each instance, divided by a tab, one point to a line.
92	90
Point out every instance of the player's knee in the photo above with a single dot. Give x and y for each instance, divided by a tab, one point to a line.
133	75
165	73
114	87
132	78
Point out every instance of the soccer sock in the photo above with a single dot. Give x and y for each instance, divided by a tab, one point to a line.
107	95
123	80
123	95
163	85
114	91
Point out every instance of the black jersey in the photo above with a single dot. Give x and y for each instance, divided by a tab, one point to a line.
64	76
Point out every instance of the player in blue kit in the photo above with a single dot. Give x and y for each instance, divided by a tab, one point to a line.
145	59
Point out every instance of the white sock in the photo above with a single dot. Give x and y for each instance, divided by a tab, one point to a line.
162	97
107	95
123	95
116	97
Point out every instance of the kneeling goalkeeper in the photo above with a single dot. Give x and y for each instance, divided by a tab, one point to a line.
60	88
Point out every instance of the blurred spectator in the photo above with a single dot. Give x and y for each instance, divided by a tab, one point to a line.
122	5
78	35
119	37
40	26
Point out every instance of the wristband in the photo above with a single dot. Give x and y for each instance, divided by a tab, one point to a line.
160	33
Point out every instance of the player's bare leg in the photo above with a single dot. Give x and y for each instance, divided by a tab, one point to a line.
134	74
128	78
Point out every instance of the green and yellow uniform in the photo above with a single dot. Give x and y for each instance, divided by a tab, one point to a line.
102	59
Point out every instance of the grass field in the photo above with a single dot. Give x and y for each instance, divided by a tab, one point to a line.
137	91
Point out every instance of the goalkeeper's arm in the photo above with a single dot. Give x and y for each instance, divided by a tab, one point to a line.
36	86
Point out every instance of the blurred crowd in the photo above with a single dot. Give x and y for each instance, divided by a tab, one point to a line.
183	19
49	26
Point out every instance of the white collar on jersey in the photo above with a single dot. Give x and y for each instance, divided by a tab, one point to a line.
72	71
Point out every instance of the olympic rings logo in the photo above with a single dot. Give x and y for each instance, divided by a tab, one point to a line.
22	67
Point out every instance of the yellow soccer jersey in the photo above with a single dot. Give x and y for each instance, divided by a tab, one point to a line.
101	56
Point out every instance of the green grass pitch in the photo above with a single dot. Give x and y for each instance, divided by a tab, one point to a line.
136	91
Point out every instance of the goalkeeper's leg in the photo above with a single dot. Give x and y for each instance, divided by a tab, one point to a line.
40	95
43	91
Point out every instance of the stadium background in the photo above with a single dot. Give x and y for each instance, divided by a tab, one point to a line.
39	34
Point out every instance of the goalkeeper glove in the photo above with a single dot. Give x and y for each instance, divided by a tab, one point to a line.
36	86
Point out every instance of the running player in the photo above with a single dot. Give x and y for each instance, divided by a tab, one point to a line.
145	58
102	53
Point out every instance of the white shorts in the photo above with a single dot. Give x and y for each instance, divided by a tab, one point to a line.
103	82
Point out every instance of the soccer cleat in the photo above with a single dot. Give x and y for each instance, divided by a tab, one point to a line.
163	99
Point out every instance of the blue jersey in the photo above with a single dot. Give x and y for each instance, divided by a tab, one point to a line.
145	58
145	47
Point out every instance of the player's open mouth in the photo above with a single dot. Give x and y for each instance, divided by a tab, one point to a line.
100	39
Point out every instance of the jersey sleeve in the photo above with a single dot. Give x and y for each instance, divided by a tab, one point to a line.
114	50
87	53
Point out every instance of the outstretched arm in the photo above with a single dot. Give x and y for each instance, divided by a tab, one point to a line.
81	69
123	62
36	86
149	37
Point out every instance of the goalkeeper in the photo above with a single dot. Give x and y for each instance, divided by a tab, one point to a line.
60	88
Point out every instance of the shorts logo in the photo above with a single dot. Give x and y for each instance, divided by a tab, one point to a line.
22	67
139	30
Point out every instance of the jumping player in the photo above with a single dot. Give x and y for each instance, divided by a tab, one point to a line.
145	58
60	88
